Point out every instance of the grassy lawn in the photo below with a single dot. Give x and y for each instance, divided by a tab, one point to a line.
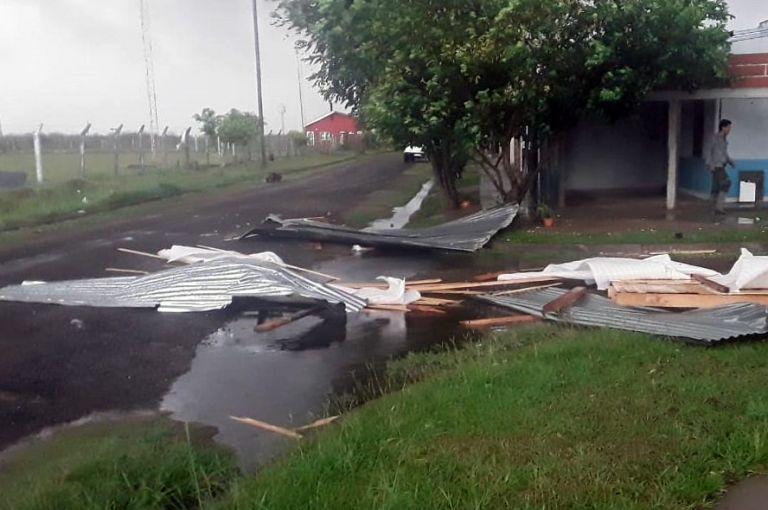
543	417
104	192
137	464
714	236
539	418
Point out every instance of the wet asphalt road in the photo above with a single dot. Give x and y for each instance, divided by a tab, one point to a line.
58	364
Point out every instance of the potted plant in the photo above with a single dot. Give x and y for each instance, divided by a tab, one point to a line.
547	216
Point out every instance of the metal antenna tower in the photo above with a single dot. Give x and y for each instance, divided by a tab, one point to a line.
149	65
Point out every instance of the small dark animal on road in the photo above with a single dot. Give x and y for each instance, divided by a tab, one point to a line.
13	179
274	177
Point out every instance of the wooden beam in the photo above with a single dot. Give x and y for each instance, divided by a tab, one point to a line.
686	300
710	284
483	285
565	301
500	321
267	426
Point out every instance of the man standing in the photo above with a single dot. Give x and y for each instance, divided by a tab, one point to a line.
719	159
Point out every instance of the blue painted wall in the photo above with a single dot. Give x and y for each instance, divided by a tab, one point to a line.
696	178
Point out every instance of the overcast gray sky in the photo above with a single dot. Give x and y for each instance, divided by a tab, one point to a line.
67	62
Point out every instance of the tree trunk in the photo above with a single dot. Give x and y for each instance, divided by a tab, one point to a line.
446	172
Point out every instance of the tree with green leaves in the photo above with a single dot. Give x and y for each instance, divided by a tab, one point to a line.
208	126
464	77
239	128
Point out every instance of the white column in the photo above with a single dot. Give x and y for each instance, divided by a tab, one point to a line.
673	144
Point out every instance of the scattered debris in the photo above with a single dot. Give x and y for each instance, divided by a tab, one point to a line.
193	288
704	326
468	234
292	433
319	423
269	427
566	301
495	322
604	270
284	321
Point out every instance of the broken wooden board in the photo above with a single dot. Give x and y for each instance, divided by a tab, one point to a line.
495	322
685	300
565	301
482	285
658	287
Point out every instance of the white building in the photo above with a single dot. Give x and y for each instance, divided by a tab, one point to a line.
661	149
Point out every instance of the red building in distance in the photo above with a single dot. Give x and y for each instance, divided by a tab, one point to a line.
333	130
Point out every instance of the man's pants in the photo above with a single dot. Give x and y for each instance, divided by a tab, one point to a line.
721	185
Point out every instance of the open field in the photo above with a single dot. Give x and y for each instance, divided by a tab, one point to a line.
103	191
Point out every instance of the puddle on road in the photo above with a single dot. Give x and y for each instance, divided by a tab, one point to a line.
287	376
402	215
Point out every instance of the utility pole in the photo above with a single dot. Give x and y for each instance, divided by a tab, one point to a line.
301	92
262	140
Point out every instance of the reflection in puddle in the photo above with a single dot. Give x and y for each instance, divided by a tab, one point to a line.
285	376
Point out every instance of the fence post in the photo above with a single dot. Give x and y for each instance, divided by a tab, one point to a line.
83	135
187	161
164	146
38	153
141	149
117	132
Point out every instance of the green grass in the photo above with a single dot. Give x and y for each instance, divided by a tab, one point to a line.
136	464
380	203
436	208
539	418
104	192
714	236
63	166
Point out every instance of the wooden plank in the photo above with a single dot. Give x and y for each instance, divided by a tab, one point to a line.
279	323
710	284
500	321
126	271
687	300
318	424
526	289
483	285
267	426
684	252
565	301
659	287
383	285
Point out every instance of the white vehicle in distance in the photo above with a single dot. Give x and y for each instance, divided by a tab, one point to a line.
412	154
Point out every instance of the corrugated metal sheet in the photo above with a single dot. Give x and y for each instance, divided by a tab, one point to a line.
468	234
706	326
194	288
